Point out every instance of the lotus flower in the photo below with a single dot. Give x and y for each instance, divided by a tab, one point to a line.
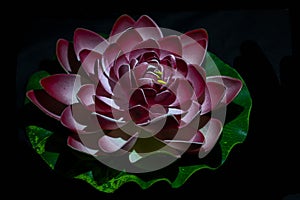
136	96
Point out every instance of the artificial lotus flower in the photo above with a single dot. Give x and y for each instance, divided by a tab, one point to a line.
136	94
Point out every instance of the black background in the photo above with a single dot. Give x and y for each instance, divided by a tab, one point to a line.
261	43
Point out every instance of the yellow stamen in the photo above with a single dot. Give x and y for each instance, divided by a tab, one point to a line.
161	81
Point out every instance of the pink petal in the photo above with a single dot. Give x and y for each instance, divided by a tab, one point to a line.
183	90
79	120
143	47
110	55
194	76
103	86
79	146
86	96
188	143
232	87
139	114
128	40
147	28
122	23
212	131
193	111
86	39
193	53
194	45
171	44
62	87
46	103
110	144
165	127
109	123
165	98
68	121
66	56
214	93
88	60
198	35
138	98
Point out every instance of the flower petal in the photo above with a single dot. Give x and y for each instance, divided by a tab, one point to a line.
121	24
194	76
108	123
46	103
147	28
86	96
112	144
88	60
194	45
66	56
110	55
212	131
80	120
170	44
77	145
62	87
128	40
139	114
214	93
232	87
187	144
86	39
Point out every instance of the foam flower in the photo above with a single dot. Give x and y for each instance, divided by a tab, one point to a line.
139	99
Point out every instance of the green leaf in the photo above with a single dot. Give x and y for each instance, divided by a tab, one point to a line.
38	138
108	180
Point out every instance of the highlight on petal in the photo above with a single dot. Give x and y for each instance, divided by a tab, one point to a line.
128	40
67	57
46	103
211	131
62	87
214	93
147	28
88	61
122	23
86	96
89	40
171	44
80	120
78	146
232	86
113	144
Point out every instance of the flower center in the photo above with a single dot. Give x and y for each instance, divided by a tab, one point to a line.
156	72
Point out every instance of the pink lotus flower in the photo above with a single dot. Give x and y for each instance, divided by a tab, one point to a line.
136	94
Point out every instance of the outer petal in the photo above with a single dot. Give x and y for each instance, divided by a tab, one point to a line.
46	103
212	131
196	79
128	40
171	44
62	87
66	56
188	145
86	39
122	23
111	144
214	93
86	96
194	45
79	146
79	120
89	59
147	28
232	86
